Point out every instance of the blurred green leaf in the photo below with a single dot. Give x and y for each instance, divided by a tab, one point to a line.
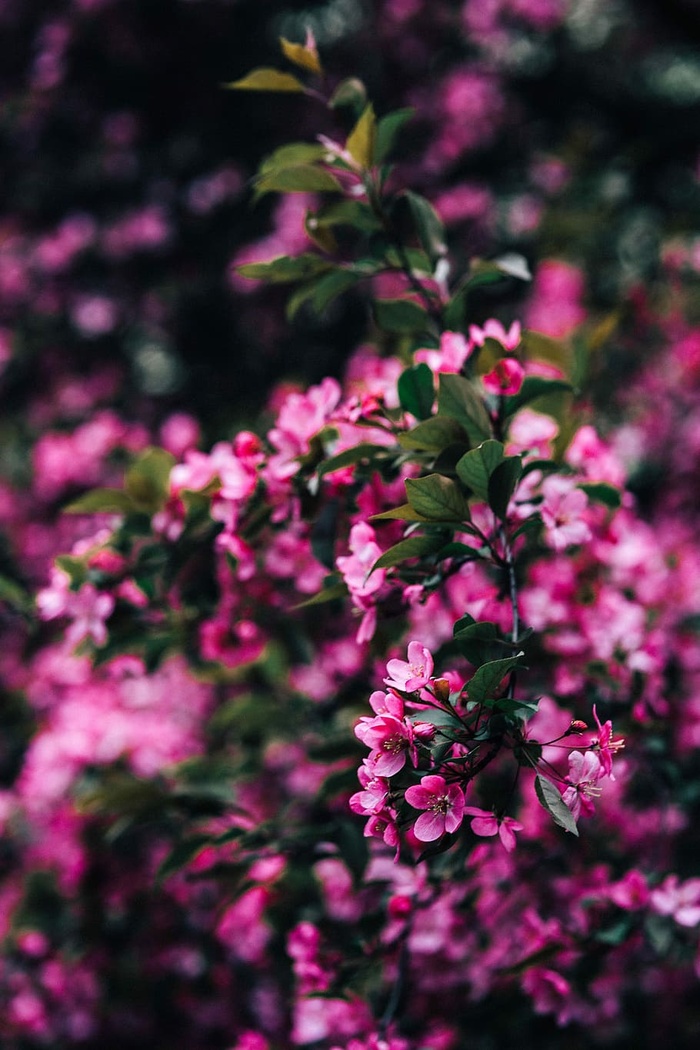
502	485
388	130
360	141
286	268
400	316
417	391
266	79
458	399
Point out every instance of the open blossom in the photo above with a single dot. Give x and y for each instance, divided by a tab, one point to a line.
487	824
412	674
443	804
604	744
88	608
505	378
493	329
562	513
454	351
391	740
355	567
585	770
681	900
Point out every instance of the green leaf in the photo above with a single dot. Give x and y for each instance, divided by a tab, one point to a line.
476	467
417	391
303	178
413	547
14	595
600	492
458	399
388	129
266	79
360	141
292	155
331	286
328	594
286	268
545	348
429	227
507	706
181	855
476	641
489	676
534	387
502	485
357	454
356	214
403	513
147	481
434	434
304	57
399	315
551	800
74	568
100	501
437	498
350	92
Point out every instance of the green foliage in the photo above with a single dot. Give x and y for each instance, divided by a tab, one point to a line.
400	316
502	484
267	79
551	800
458	399
487	678
437	498
416	391
361	140
476	467
413	547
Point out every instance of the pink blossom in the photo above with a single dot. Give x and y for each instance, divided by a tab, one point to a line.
505	378
413	674
443	803
454	351
355	568
631	892
391	740
487	824
681	900
604	745
562	513
493	329
585	771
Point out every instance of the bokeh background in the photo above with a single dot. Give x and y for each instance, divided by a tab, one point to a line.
564	130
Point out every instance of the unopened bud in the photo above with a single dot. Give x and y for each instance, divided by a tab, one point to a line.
577	726
400	906
441	688
424	730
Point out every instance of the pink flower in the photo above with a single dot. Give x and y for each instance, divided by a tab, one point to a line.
585	771
487	824
443	803
454	351
408	676
355	567
681	900
605	746
505	378
562	511
390	739
494	330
